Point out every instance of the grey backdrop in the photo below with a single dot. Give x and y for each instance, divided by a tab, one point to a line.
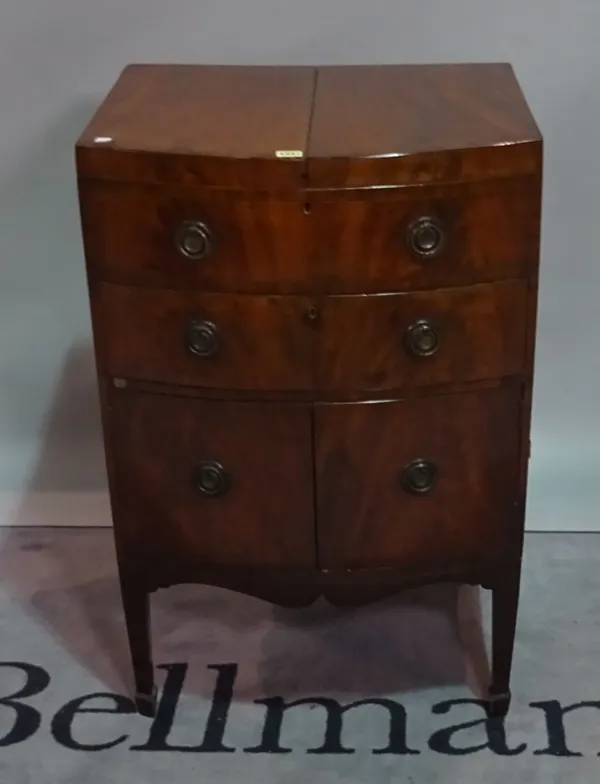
57	60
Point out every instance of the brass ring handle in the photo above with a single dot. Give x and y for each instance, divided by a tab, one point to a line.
422	338
193	239
425	236
419	476
202	338
211	478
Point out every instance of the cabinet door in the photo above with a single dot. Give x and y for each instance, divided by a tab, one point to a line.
214	482
416	483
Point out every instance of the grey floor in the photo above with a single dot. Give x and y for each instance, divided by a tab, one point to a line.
63	639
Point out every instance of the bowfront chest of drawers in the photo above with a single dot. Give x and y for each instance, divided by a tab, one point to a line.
313	295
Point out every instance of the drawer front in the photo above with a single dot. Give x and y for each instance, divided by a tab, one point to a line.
397	341
215	482
427	237
417	483
222	341
186	238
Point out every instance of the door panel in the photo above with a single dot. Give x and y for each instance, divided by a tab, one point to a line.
374	508
215	482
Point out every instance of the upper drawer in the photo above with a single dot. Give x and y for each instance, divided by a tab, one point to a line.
424	237
346	242
189	238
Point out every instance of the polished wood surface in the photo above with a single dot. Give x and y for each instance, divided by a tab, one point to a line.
367	519
220	125
299	395
354	125
377	124
257	245
288	343
481	332
264	342
265	518
330	243
311	401
490	233
289	587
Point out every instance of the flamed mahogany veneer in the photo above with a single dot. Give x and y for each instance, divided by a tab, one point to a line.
313	297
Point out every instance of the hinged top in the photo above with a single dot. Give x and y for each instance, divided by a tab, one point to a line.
281	127
397	124
216	125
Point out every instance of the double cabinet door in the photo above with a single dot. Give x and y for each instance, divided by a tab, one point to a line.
334	486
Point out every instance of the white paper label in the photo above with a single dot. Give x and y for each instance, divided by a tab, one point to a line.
289	153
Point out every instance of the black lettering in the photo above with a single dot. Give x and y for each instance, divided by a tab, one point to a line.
62	723
495	732
217	719
557	739
28	719
332	744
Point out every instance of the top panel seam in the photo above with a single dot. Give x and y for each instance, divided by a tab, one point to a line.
306	172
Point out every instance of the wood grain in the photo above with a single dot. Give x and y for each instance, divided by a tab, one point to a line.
361	343
210	124
296	587
490	233
296	395
367	519
396	124
258	245
312	403
269	342
368	125
333	243
264	342
266	518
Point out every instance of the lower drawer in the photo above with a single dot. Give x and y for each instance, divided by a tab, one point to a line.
418	482
212	481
